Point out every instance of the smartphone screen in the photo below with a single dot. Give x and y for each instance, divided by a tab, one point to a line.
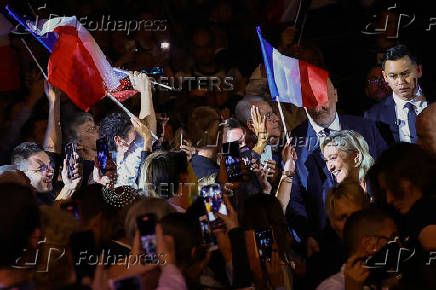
266	155
128	283
213	201
146	226
264	243
72	207
233	159
164	45
207	237
156	70
102	155
70	149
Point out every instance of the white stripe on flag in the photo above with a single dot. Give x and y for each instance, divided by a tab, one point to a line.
100	61
287	78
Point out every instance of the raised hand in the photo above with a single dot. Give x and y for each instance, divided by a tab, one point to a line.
259	123
140	81
52	93
289	156
355	272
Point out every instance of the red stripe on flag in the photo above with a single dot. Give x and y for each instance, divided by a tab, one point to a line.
313	84
72	69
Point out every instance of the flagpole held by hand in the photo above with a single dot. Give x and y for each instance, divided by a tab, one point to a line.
282	117
151	79
127	111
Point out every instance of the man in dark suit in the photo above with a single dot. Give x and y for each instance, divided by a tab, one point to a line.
305	211
396	114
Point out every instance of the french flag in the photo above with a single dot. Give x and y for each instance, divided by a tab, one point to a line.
77	65
291	80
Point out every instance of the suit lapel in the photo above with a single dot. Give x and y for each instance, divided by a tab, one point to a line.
389	116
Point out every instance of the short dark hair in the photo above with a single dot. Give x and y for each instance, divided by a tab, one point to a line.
403	161
24	151
363	223
20	217
71	124
116	124
397	52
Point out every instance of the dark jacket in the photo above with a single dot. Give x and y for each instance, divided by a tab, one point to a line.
305	211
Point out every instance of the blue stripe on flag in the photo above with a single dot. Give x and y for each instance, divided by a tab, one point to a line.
267	51
48	39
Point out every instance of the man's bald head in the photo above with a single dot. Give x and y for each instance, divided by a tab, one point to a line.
426	128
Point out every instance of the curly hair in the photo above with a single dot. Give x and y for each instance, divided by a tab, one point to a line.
116	124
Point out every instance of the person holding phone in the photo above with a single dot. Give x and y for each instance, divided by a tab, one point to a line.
365	233
41	164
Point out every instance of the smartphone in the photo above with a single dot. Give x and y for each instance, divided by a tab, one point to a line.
146	225
233	159
70	156
266	155
128	283
264	243
164	45
84	251
213	202
102	155
156	70
208	239
388	261
160	118
72	207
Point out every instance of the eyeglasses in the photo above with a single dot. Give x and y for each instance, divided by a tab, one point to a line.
376	81
43	168
270	116
91	129
393	237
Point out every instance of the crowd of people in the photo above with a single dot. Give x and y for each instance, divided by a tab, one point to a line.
214	187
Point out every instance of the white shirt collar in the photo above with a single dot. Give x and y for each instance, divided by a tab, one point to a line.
334	126
418	101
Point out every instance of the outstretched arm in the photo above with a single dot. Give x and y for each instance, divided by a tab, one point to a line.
141	83
53	134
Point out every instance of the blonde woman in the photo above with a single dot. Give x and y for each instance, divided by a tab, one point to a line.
347	156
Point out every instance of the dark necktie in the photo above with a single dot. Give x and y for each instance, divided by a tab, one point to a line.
326	132
411	119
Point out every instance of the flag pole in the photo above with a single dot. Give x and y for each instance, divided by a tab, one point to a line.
151	79
283	118
126	111
34	58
